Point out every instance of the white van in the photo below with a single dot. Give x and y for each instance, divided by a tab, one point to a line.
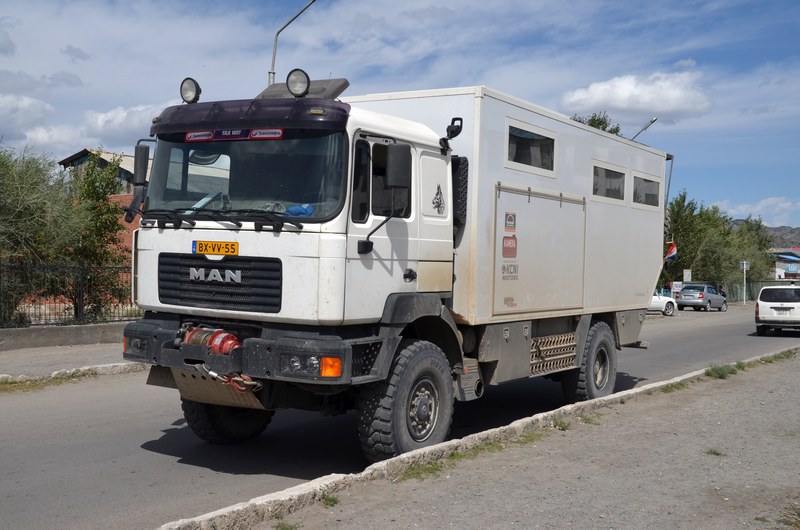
777	307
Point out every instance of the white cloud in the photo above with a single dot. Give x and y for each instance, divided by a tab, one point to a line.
59	139
773	211
670	96
120	125
19	112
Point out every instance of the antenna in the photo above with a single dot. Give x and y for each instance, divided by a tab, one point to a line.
271	77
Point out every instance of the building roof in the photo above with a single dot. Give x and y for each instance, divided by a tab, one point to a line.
125	161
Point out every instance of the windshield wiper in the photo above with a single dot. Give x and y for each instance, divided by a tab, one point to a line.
163	216
262	217
204	212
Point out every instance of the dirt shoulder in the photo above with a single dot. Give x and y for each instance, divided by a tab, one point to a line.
709	453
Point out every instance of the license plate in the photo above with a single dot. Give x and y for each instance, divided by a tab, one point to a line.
782	312
220	248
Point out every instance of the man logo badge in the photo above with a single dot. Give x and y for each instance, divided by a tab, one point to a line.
215	275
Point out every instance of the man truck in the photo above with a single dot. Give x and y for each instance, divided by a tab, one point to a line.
301	250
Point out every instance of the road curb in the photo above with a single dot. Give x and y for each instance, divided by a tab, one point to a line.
101	369
282	503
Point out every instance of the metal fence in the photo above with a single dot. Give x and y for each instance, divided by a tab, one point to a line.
56	294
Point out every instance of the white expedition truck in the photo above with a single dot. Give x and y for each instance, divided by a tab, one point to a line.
301	251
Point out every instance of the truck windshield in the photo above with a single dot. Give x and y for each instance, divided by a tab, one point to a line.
294	173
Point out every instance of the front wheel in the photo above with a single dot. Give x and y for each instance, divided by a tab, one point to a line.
224	425
413	409
597	374
724	306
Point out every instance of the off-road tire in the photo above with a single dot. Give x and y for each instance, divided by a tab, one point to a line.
597	374
669	309
224	425
413	408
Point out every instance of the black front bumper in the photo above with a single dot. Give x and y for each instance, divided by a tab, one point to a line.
287	356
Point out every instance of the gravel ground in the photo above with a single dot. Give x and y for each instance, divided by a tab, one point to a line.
712	454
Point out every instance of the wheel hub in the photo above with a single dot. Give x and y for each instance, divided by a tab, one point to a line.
422	410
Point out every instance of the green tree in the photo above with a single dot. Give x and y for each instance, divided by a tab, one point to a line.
94	244
34	216
709	245
49	216
599	120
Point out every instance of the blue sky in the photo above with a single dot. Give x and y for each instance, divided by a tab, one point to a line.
723	77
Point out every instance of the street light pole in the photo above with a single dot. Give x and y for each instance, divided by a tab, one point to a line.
643	129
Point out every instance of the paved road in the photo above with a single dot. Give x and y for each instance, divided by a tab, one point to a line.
112	452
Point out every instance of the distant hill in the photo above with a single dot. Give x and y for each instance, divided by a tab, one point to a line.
782	236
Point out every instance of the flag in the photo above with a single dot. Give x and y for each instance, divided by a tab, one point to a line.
672	253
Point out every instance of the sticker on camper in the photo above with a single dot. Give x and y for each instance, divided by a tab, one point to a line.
199	136
509	271
509	246
438	200
511	221
232	134
266	134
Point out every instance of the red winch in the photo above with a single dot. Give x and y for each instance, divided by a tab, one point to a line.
219	341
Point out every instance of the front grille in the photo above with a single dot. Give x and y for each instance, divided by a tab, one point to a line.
235	283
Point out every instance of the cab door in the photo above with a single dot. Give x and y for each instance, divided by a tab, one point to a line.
383	228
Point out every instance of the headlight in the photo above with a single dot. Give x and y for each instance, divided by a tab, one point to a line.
298	82
190	90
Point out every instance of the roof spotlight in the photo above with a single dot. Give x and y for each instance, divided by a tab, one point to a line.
190	90
298	82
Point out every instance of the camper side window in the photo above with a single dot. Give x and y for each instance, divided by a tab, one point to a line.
609	183
645	191
529	148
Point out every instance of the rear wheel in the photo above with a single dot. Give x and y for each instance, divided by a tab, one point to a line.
413	409
669	309
224	425
707	307
761	330
597	374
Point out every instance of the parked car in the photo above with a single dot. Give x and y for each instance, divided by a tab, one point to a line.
662	304
701	296
777	307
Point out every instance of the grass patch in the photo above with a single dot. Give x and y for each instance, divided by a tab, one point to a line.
791	519
488	447
530	437
589	418
38	383
560	424
741	365
329	500
287	526
782	356
673	387
722	371
421	471
714	452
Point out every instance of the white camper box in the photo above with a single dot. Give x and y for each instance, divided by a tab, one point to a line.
562	219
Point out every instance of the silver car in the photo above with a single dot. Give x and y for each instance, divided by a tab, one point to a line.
701	296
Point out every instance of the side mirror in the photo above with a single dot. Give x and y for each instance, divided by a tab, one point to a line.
141	157
140	160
